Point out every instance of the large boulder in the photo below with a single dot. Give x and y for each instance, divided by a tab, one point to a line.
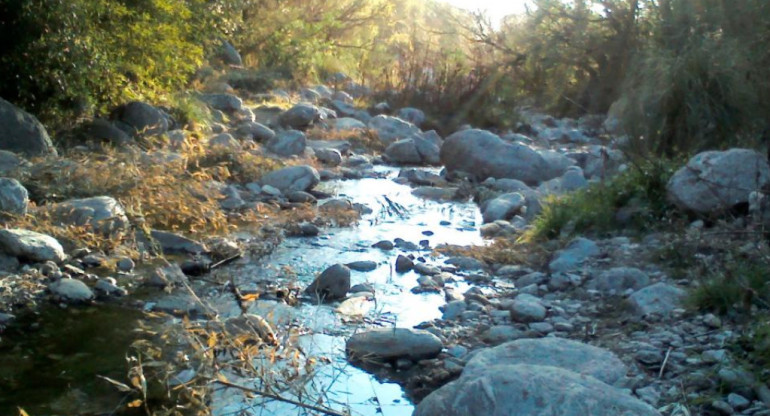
403	151
227	103
22	133
348	123
658	299
229	55
287	143
574	255
71	291
715	181
571	355
14	198
292	178
101	130
11	162
332	284
103	213
392	344
254	131
484	155
140	119
530	390
390	129
300	116
31	246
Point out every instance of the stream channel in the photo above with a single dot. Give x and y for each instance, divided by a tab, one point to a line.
49	371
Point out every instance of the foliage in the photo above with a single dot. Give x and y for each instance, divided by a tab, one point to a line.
642	189
71	57
738	284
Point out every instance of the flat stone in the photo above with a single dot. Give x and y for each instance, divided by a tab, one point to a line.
393	343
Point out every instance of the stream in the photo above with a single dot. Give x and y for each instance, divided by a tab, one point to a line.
43	375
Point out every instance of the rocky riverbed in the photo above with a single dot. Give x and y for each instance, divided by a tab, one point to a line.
368	281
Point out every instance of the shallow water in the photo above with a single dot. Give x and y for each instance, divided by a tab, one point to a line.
343	386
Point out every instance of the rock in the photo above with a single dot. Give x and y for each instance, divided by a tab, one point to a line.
412	115
714	181
254	131
502	207
140	119
172	243
384	245
11	162
403	264
31	246
229	55
14	198
658	299
224	140
309	229
101	130
332	284
336	204
71	290
287	143
300	197
527	308
329	157
293	178
170	275
342	146
435	193
300	116
619	279
107	287
403	151
390	129
22	133
227	103
425	270
392	344
567	354
362	266
484	155
453	310
125	264
430	153
347	124
465	263
577	251
104	214
738	402
530	390
270	190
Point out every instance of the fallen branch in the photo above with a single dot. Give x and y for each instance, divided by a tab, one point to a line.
665	361
323	410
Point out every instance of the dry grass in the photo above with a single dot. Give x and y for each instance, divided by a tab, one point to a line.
502	251
366	139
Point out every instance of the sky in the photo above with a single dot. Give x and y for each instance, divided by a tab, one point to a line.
497	9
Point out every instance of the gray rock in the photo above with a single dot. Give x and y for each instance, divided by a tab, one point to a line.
714	181
403	151
347	124
570	355
140	119
499	334
329	157
270	190
14	198
527	308
453	310
287	143
172	243
125	264
71	290
619	279
224	140
574	255
106	287
103	213
412	115
465	263
336	204
484	155
293	178
738	402
300	116
229	55
425	270
435	193
430	153
530	390
384	245
254	131
502	207
658	299
31	246
300	197
403	264
342	146
22	133
392	344
390	129
362	266
332	284
11	162
227	103
309	229
101	130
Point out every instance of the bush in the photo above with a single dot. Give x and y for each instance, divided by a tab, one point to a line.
641	189
736	285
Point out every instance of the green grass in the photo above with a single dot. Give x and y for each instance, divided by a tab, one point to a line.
594	209
739	284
